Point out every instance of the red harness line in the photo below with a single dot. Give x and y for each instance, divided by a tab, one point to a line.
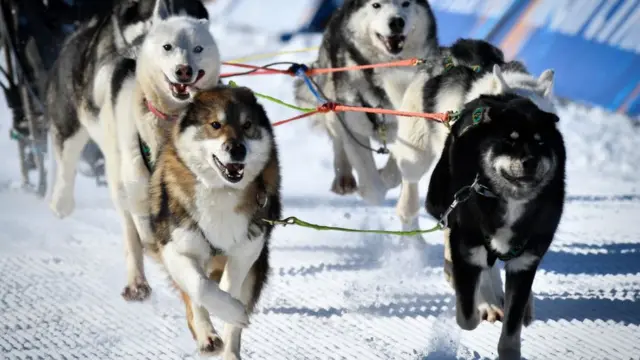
262	71
324	108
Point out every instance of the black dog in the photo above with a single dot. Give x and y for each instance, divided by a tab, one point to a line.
504	164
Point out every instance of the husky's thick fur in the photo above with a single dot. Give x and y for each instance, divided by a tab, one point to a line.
366	32
75	81
215	181
512	153
176	60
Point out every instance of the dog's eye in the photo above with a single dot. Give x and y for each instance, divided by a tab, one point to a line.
198	49
216	125
537	138
376	5
406	4
247	125
167	47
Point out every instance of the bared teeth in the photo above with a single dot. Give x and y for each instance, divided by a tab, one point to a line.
180	88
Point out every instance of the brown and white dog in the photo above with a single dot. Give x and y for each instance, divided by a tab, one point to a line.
217	177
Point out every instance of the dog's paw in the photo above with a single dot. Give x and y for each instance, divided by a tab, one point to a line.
490	312
210	345
139	290
344	184
490	297
62	205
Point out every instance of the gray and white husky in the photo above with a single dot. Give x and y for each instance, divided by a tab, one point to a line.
138	100
365	32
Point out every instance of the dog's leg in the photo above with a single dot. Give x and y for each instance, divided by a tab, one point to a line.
490	298
184	258
371	188
390	173
413	163
67	154
408	205
137	288
529	311
235	274
209	342
467	266
344	183
518	291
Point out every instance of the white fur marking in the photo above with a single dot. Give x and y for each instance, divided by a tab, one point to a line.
500	241
522	262
478	256
514	135
223	227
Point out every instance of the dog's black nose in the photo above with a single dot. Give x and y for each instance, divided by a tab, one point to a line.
184	73
529	164
237	151
396	24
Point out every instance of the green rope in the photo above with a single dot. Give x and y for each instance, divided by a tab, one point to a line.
295	221
277	101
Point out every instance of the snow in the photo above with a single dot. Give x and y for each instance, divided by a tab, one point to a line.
331	295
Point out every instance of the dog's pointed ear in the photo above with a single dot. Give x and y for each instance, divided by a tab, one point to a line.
499	84
160	10
546	81
550	117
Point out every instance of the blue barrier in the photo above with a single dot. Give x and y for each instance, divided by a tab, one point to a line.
594	45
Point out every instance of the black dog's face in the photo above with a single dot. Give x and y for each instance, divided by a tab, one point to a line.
519	153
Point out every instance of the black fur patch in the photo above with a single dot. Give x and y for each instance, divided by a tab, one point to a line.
477	52
123	69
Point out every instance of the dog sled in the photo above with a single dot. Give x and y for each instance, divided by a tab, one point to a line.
31	35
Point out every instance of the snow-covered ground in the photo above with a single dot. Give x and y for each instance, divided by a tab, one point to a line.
331	295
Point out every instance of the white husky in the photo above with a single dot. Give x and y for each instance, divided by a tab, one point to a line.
139	99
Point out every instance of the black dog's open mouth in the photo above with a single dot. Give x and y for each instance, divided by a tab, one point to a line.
519	180
393	43
232	172
181	90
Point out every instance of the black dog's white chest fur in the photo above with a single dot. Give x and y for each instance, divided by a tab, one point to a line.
501	233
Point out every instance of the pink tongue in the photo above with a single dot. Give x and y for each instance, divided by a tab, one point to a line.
180	87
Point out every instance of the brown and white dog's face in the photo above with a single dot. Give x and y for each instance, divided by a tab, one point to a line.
225	137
